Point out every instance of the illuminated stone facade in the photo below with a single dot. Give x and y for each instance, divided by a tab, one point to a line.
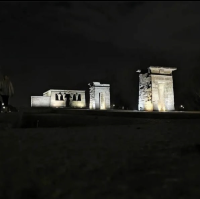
60	98
99	96
156	89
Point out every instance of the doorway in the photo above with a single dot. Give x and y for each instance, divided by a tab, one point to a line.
102	104
161	94
67	98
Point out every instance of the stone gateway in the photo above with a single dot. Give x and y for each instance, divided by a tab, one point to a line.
99	96
156	91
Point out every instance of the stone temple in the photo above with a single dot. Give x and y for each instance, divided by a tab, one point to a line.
156	91
99	96
60	98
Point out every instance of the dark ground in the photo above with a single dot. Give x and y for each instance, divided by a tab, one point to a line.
62	117
149	158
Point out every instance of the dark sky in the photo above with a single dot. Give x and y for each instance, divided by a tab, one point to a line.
66	45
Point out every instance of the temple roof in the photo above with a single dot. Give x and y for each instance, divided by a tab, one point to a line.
162	67
99	84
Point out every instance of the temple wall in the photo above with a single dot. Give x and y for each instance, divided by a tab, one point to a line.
145	103
92	98
56	98
48	93
168	91
40	101
62	103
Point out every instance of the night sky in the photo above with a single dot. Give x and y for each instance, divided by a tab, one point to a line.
66	45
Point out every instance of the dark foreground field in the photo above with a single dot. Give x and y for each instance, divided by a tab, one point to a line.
151	158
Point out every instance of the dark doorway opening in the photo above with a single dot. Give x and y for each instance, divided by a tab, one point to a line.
67	97
56	96
61	97
74	97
